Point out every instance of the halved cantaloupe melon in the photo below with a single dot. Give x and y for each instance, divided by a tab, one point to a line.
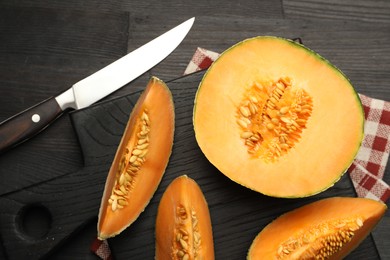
278	118
140	160
326	229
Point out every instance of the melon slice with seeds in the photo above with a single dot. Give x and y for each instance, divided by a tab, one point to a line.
183	223
140	160
326	229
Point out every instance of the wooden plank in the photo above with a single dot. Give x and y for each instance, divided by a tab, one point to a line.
348	10
169	10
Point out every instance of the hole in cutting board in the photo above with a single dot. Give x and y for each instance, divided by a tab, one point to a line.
34	221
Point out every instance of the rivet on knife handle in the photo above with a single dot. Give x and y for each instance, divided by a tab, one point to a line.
28	123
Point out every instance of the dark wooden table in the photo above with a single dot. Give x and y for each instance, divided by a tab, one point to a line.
46	46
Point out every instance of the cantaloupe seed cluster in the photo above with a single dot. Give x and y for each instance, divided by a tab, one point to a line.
132	160
320	241
272	116
182	236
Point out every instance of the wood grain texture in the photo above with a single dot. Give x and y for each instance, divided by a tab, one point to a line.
346	10
266	8
48	45
42	53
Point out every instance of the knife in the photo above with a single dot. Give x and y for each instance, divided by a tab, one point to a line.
89	90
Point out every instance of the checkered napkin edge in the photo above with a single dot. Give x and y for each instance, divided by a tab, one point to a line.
368	168
101	248
366	171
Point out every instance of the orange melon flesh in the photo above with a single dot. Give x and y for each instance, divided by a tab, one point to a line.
156	101
293	227
327	144
183	207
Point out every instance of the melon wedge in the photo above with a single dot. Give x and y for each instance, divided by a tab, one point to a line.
326	229
140	160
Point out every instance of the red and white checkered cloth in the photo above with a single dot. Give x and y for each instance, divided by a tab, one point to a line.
369	165
366	171
102	249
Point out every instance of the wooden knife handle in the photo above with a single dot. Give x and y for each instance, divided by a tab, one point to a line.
28	123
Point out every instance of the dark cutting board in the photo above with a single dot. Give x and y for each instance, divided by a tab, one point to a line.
72	200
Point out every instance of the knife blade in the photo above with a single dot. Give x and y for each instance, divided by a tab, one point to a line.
91	89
